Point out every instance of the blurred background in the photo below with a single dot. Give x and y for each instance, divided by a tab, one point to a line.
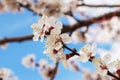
105	32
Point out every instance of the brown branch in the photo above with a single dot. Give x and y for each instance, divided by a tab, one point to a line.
16	39
88	22
66	28
55	71
100	5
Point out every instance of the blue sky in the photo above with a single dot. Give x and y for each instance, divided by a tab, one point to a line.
19	24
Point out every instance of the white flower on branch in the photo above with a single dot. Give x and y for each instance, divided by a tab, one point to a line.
54	8
101	72
46	70
58	56
29	61
105	61
44	27
7	74
102	64
87	52
51	29
55	47
77	36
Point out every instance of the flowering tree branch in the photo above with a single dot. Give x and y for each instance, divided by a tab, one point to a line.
66	28
88	22
90	59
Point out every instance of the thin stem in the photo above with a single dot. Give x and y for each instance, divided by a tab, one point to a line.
54	71
96	6
74	52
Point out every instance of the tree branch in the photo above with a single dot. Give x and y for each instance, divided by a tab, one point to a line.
96	6
16	39
65	28
88	22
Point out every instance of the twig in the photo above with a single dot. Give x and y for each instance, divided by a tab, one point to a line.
16	39
72	50
55	71
112	75
100	5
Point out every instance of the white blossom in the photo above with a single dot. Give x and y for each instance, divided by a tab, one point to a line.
29	61
46	70
66	38
77	36
97	62
86	52
7	74
46	26
102	72
42	62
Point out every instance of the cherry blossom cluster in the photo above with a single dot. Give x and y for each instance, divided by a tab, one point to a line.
44	7
88	75
44	68
104	31
50	28
55	7
7	74
104	64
